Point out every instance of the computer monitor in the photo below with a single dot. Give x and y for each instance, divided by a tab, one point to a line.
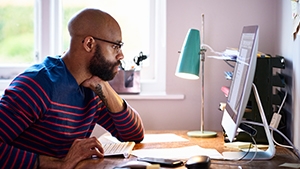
242	80
240	89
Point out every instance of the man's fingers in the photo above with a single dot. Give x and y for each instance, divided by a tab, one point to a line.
88	147
96	153
95	146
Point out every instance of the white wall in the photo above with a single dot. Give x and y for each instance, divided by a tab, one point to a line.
223	25
290	49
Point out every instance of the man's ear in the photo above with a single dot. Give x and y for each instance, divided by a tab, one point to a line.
88	43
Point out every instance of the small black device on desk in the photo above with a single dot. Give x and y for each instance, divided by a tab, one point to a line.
196	162
162	161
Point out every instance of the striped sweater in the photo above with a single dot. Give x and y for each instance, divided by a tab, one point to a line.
44	110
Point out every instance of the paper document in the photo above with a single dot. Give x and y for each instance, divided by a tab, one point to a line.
159	138
182	153
107	138
149	138
239	145
290	165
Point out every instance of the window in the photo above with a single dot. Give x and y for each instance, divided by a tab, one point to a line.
142	24
16	31
16	34
133	19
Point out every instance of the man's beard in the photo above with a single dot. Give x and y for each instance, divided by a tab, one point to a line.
101	67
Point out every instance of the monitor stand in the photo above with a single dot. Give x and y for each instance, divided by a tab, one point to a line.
260	154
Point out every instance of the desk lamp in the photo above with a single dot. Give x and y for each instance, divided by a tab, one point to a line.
188	68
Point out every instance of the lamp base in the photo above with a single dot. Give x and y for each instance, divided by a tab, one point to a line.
202	133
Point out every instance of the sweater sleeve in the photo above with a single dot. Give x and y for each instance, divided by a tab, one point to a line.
17	113
125	125
11	157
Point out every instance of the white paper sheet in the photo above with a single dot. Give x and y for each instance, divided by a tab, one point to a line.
165	137
290	165
182	153
149	138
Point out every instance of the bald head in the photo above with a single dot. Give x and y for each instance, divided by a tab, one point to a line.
93	22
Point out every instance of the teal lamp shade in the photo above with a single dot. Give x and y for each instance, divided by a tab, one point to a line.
189	59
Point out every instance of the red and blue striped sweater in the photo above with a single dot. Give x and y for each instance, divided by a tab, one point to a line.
44	110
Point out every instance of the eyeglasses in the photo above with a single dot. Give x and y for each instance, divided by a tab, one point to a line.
116	45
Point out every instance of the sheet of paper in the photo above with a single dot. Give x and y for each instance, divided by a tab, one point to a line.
165	137
107	138
238	145
149	138
182	153
290	165
296	17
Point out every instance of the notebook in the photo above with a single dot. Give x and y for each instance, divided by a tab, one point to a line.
121	148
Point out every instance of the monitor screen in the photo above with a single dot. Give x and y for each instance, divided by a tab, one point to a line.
242	80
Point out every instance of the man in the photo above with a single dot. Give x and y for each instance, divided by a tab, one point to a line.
49	111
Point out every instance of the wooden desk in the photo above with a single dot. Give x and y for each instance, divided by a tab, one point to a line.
283	155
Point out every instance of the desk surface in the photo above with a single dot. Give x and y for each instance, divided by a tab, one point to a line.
283	155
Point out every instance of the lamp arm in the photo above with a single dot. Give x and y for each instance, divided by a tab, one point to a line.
211	49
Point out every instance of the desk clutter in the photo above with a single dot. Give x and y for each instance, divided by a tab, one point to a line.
177	145
184	152
194	162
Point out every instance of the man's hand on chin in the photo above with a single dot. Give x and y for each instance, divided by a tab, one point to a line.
106	93
92	82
